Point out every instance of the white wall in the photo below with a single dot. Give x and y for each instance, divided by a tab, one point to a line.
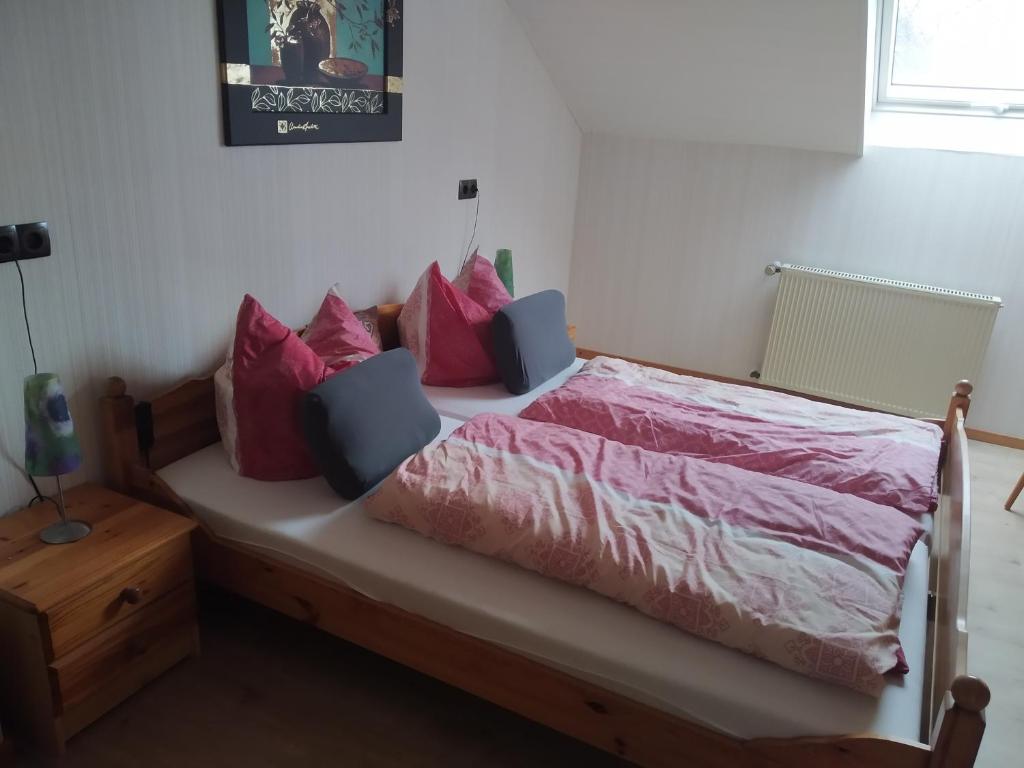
784	73
672	239
109	129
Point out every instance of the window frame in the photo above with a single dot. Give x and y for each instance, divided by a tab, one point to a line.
932	99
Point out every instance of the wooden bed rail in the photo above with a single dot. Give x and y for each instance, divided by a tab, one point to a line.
960	724
960	401
950	580
138	439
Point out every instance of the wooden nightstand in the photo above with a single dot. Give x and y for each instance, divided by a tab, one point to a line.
85	625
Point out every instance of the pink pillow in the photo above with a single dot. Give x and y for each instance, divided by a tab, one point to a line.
259	389
337	335
448	333
481	283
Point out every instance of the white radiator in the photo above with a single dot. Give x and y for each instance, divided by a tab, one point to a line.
886	344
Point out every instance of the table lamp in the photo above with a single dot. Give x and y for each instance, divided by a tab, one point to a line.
51	448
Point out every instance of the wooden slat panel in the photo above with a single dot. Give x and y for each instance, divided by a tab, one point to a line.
184	421
176	410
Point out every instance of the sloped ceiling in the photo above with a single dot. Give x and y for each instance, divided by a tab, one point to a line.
776	72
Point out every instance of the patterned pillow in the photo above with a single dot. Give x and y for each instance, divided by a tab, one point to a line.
259	392
338	335
448	333
479	280
371	324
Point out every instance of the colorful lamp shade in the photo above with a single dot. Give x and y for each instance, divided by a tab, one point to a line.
51	447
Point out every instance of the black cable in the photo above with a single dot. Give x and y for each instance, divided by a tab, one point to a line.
39	497
476	220
28	328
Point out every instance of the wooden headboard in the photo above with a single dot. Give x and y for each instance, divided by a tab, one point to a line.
387	324
183	420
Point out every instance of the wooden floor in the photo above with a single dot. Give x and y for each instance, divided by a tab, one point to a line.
271	692
996	617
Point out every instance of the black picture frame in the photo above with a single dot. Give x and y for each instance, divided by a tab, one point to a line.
278	121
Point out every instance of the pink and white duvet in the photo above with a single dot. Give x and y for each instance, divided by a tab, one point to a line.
802	576
886	459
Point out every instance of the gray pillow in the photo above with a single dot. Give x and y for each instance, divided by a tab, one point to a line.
363	422
531	341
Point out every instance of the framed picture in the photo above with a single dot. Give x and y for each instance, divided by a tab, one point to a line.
311	71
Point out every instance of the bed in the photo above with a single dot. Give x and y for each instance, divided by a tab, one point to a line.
290	546
465	403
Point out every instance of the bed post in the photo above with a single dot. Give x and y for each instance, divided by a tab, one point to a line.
120	440
961	724
961	400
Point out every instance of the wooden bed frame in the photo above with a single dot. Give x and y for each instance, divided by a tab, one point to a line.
140	438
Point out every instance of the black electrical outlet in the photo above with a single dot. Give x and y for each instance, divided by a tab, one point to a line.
24	241
468	189
9	247
35	240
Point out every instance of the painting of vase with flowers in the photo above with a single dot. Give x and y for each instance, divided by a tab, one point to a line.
302	71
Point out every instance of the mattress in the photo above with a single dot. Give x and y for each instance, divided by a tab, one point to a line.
604	642
466	402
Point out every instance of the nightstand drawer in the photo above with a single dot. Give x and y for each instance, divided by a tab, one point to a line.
127	591
149	640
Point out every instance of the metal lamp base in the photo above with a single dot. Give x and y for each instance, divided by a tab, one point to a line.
65	532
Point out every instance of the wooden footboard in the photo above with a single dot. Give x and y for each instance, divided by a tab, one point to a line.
957	704
141	438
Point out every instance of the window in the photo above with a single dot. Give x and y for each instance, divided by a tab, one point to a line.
964	56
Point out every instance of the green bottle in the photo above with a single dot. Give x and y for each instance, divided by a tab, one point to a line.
503	266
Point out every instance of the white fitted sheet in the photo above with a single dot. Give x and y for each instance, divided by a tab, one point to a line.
568	627
466	402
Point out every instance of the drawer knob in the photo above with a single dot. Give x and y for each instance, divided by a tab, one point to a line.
131	595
